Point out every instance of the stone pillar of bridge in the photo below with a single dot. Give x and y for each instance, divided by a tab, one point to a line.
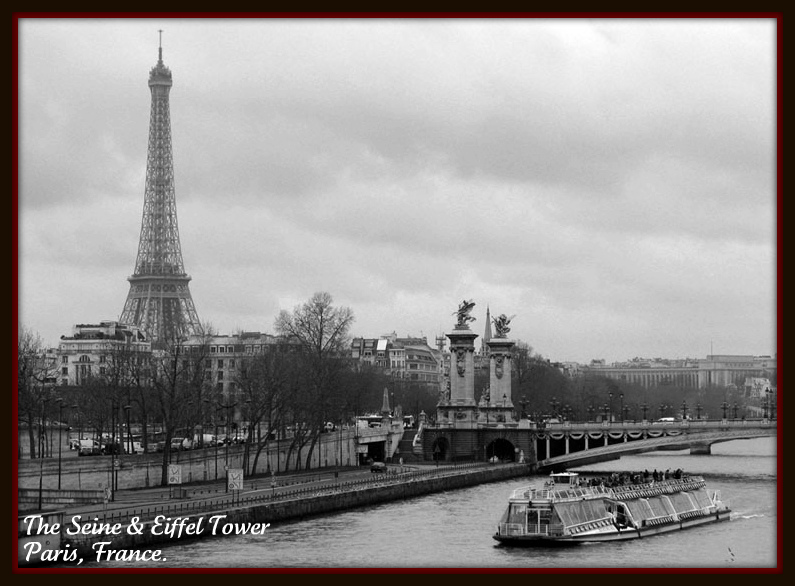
457	407
500	373
462	366
701	448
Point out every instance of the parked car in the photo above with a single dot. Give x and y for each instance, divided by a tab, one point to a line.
133	448
377	467
114	448
88	447
181	443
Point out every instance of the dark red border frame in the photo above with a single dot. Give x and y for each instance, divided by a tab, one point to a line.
778	16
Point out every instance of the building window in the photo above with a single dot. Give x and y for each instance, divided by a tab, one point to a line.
220	387
221	363
101	370
65	370
64	359
221	349
212	350
232	363
102	359
220	375
230	349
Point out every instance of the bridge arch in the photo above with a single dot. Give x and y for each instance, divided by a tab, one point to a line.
502	449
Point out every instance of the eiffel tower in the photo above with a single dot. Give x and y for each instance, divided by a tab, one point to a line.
159	301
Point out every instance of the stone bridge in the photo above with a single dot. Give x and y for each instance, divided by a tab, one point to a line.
586	444
563	445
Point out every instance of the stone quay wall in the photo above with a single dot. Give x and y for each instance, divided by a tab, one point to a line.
318	503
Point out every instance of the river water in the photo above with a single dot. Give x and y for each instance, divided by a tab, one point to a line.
454	529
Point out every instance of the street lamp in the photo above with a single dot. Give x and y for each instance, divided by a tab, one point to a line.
227	406
607	411
591	412
684	410
41	448
645	408
735	410
621	413
698	410
60	429
724	406
610	412
215	437
129	433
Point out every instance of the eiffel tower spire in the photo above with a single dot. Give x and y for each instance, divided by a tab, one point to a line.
159	301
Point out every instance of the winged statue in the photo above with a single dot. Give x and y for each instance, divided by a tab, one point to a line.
463	312
501	325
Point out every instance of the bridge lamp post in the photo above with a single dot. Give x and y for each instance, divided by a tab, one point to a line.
626	412
621	410
724	406
610	412
645	408
684	410
591	411
769	401
607	411
735	410
764	405
698	410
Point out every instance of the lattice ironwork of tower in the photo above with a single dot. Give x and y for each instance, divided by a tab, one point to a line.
159	301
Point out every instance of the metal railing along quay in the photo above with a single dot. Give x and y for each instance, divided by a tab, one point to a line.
150	511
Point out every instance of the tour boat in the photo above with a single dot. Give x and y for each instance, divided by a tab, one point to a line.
567	510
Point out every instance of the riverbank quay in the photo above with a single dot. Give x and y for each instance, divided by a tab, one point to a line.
131	529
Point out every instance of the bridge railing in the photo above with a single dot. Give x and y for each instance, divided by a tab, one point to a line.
649	424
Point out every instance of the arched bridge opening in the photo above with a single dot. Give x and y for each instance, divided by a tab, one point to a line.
501	450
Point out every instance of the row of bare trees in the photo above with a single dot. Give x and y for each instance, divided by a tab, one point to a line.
300	384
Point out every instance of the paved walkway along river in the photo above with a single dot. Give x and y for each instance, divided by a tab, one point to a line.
295	495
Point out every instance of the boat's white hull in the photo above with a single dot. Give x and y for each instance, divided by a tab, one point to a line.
613	534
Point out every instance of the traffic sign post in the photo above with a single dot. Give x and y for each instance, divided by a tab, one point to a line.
174	477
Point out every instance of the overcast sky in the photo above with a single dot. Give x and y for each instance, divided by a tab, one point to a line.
609	182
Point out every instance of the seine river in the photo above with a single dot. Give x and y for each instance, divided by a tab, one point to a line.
453	529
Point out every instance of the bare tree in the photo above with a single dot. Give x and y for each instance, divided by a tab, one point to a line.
321	330
178	378
264	382
36	372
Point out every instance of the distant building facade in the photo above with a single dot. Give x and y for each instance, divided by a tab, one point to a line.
92	350
225	354
409	358
712	371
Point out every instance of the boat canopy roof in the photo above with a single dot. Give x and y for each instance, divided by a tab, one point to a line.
568	478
